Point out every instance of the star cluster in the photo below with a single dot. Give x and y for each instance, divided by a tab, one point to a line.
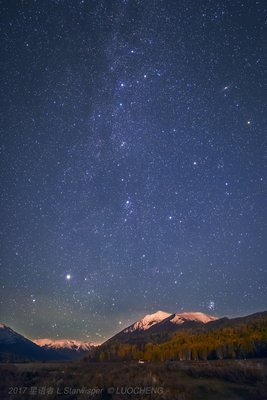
132	159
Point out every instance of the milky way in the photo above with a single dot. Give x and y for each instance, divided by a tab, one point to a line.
132	162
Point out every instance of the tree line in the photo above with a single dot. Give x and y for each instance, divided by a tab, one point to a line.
246	341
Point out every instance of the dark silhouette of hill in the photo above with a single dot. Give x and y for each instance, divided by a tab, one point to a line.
16	348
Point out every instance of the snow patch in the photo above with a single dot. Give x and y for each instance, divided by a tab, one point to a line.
180	319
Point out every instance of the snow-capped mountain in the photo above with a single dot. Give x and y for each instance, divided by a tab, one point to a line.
72	349
64	343
161	325
159	317
189	326
15	347
148	321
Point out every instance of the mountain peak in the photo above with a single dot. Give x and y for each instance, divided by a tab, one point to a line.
148	320
159	315
158	318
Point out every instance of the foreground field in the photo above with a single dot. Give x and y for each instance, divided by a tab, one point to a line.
231	380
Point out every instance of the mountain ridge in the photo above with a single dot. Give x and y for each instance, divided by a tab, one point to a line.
219	338
156	329
70	348
159	322
148	321
16	347
63	343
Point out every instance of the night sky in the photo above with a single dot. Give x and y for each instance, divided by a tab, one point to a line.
132	162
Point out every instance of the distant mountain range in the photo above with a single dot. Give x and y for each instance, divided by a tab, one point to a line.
158	336
69	349
16	348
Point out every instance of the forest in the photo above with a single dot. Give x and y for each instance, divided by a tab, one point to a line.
239	342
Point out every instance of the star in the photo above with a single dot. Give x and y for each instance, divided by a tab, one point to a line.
139	159
211	305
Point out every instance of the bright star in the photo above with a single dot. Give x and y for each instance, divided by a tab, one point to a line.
68	277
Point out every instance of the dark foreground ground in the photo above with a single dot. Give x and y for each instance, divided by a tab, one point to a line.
218	380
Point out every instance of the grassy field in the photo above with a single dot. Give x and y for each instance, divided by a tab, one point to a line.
218	380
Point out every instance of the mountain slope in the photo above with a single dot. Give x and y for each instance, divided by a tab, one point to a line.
159	326
243	337
147	322
15	347
178	321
